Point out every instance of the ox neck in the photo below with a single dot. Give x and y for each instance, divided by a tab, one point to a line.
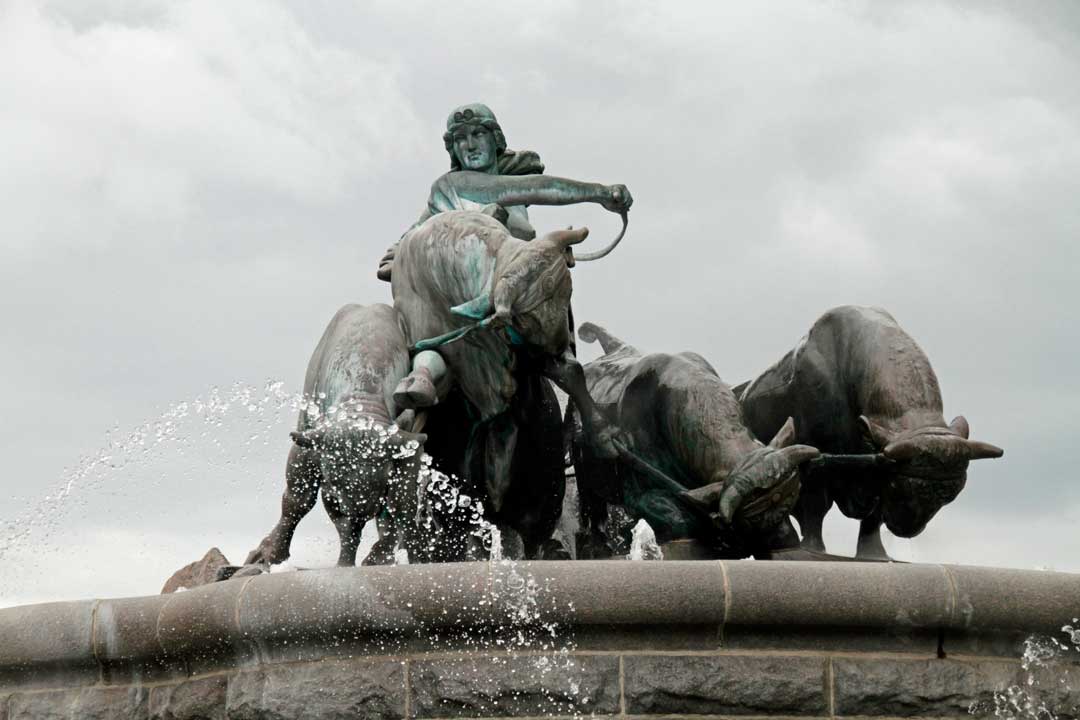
369	405
718	460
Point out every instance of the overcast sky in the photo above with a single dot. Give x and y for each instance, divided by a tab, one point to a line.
191	189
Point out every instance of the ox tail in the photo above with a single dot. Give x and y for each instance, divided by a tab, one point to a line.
591	332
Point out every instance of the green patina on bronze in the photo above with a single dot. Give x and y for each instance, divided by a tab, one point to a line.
482	323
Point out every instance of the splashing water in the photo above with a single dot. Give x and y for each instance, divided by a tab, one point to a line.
643	545
1044	690
217	435
220	427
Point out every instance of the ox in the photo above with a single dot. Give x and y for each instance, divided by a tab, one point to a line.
858	384
693	469
496	309
346	444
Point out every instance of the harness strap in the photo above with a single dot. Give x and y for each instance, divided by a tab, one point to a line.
448	337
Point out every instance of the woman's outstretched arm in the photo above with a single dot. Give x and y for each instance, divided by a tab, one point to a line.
508	190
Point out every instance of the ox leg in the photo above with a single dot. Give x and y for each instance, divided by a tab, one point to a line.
870	546
349	528
782	538
569	375
400	523
382	552
303	476
814	503
592	513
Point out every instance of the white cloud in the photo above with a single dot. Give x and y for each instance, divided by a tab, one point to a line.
191	188
123	127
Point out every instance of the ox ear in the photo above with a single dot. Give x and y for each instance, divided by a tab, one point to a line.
875	434
476	309
785	436
304	439
959	425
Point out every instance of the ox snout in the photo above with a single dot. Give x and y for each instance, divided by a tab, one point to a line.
906	522
909	504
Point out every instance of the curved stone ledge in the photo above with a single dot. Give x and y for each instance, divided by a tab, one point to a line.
811	624
326	605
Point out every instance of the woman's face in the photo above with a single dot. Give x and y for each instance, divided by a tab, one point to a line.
475	147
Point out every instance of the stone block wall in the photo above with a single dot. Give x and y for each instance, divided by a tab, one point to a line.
557	639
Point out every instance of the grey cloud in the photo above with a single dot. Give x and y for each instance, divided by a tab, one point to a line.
192	190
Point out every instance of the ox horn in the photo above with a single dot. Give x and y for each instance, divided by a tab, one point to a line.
569	236
730	500
901	450
979	450
798	454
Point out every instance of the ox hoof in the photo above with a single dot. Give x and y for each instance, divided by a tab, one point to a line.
552	549
813	544
417	390
874	555
238	571
268	553
381	553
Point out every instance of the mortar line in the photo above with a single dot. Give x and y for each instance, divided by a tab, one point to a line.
236	617
954	596
727	596
830	679
622	688
366	659
93	640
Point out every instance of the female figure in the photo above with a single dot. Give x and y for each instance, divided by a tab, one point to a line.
512	456
483	172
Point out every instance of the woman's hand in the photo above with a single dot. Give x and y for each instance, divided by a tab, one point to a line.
617	199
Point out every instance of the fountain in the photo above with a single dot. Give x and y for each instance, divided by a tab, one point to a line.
434	424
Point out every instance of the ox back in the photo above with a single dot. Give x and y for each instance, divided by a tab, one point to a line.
683	420
362	355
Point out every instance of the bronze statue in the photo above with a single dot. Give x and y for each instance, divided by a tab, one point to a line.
352	443
486	311
691	467
858	385
483	171
482	325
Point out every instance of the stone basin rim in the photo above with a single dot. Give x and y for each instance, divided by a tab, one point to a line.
316	606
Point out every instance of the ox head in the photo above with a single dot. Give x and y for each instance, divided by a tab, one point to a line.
531	291
761	492
928	470
364	456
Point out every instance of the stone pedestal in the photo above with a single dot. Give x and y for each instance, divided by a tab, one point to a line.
668	639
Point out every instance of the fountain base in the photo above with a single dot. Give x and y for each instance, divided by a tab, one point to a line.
643	639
